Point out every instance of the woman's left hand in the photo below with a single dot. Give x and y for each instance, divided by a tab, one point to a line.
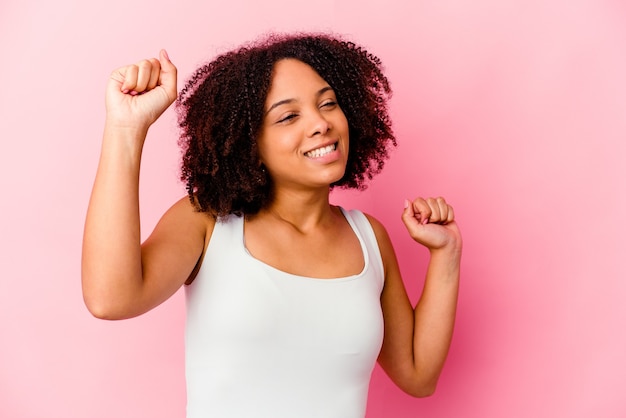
431	223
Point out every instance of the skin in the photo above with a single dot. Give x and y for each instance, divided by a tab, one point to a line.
123	278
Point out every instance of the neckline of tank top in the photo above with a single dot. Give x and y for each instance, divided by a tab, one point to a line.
292	276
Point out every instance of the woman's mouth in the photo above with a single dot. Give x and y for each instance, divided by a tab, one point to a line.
320	152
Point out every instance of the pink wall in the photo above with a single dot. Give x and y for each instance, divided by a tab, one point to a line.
513	110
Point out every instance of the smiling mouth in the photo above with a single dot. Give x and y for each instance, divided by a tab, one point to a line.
320	152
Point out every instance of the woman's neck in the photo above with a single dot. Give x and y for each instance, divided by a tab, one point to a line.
303	210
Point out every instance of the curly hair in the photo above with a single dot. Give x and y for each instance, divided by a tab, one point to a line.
221	111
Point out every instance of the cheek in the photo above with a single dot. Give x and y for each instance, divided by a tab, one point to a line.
341	122
341	125
271	152
262	152
264	144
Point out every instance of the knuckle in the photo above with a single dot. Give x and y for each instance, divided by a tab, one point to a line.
144	64
144	67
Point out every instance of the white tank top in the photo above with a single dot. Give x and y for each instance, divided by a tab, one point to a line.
264	343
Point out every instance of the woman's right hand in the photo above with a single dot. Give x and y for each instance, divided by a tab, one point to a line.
138	94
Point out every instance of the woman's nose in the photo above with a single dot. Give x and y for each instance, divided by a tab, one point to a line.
319	124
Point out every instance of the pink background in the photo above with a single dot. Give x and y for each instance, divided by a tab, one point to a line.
515	110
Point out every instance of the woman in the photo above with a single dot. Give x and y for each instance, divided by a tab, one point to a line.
290	300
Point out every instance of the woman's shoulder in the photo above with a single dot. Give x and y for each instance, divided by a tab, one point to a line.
379	229
184	213
384	242
377	226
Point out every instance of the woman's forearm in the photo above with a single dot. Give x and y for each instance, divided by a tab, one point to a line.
435	315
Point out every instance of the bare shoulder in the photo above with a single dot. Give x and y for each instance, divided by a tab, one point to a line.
178	241
376	224
384	242
183	216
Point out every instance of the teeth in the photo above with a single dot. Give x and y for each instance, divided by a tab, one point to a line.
319	152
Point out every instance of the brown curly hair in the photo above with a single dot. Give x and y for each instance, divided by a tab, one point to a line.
221	110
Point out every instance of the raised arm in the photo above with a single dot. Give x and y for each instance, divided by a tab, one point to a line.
417	339
119	278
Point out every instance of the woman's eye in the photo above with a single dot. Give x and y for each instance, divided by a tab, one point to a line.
287	118
329	103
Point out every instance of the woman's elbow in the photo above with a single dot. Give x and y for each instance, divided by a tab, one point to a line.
103	305
101	310
105	301
423	392
421	389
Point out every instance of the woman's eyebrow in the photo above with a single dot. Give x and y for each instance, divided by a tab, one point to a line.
287	101
279	103
324	90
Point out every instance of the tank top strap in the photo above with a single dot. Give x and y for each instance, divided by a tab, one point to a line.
364	231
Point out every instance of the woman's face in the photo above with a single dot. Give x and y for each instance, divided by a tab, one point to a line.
304	137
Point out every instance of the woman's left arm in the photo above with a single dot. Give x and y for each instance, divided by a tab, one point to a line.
417	339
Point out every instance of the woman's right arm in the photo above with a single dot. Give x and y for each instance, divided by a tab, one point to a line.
120	277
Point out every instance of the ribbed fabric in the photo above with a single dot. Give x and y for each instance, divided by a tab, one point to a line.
264	343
